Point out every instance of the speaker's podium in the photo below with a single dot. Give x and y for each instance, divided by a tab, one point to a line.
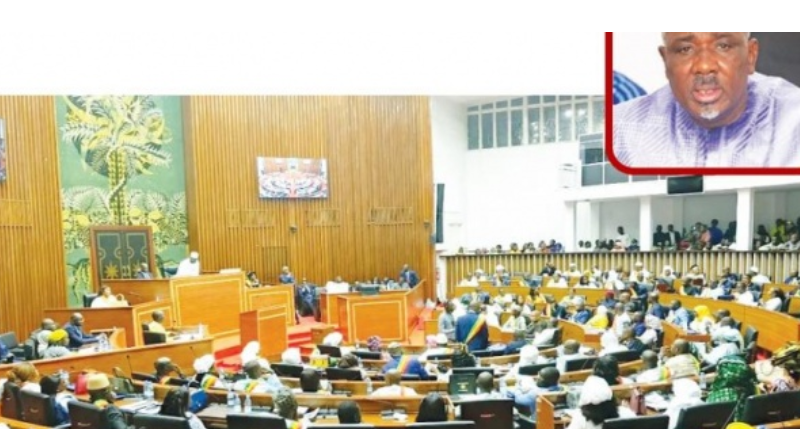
214	300
387	314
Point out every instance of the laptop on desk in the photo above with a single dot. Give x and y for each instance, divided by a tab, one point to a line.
462	386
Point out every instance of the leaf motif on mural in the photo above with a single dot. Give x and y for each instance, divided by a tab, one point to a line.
118	137
110	146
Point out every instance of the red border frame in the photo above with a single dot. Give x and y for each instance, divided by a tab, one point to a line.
612	158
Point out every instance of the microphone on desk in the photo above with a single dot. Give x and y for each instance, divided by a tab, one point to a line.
130	366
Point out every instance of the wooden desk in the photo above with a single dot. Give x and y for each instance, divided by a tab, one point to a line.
16	424
329	303
271	296
141	291
384	315
582	334
774	329
139	359
267	326
674	332
128	318
593	295
390	315
492	290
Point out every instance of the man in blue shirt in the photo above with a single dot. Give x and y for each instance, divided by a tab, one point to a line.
715	233
286	277
582	315
715	112
471	329
404	364
77	338
655	308
525	395
680	316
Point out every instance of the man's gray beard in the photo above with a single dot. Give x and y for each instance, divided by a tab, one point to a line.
709	113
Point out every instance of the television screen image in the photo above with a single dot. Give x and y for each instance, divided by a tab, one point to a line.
287	178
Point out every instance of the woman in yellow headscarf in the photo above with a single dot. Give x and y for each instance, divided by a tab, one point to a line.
600	318
703	320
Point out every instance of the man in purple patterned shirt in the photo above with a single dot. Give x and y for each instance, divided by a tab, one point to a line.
715	112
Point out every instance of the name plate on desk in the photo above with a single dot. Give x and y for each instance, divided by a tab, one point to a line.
321	361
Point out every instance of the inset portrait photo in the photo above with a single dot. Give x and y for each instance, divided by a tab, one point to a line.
705	103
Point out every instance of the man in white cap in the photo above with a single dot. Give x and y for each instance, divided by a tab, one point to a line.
501	277
334	339
727	346
557	280
594	395
204	374
440	349
101	396
190	266
574	271
638	268
687	393
291	356
757	278
528	355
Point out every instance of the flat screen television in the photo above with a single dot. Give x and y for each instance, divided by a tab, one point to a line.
685	185
292	178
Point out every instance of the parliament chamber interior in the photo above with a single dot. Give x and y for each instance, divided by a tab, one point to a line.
294	262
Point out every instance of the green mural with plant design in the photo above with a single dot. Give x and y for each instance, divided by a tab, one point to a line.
121	163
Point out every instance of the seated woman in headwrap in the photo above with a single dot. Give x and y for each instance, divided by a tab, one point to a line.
779	374
703	320
735	381
610	343
686	393
652	327
291	356
597	404
600	319
528	355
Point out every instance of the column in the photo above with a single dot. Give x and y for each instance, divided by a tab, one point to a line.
646	223
744	219
569	226
594	221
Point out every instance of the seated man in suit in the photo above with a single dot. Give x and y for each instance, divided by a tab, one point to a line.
306	295
408	276
519	342
472	329
404	364
77	338
144	272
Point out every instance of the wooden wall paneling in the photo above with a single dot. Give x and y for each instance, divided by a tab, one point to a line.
212	300
32	262
379	156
